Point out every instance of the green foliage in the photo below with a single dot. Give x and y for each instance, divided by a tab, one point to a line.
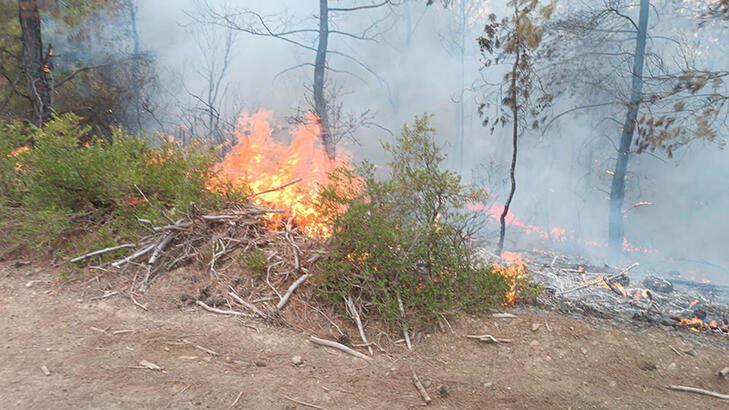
407	235
255	261
59	185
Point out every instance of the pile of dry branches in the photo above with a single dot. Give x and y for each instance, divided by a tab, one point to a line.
212	240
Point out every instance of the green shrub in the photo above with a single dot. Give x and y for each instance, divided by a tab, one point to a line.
60	186
407	235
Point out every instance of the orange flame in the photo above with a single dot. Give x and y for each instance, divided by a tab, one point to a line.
513	274
259	162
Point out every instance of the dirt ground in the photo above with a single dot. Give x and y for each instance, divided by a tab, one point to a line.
92	349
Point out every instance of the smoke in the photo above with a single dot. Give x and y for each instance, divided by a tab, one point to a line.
562	175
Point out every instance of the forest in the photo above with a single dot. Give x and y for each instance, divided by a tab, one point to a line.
388	165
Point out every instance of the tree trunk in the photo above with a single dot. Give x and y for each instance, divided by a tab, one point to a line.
617	191
33	67
320	103
135	66
515	136
461	106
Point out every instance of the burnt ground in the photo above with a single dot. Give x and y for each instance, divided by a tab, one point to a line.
92	349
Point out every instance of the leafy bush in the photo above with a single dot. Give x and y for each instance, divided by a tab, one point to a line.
58	185
407	236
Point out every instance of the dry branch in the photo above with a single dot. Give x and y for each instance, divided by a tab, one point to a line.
488	339
699	391
303	403
220	311
421	389
133	256
250	306
278	188
291	290
605	279
102	251
353	311
339	346
404	323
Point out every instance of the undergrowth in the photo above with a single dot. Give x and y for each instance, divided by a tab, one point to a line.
407	236
54	187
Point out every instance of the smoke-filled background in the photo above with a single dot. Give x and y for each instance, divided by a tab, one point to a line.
427	59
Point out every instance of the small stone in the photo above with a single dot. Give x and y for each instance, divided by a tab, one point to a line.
488	384
672	366
536	326
583	350
427	384
260	363
613	383
443	391
691	352
534	343
297	360
648	366
45	370
239	362
167	349
227	359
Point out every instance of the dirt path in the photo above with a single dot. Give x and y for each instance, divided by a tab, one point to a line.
91	348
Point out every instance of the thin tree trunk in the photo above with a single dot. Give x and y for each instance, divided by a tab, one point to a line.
617	190
135	66
320	103
461	106
33	67
515	136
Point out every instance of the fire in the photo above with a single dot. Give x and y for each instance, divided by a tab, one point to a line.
514	274
696	301
260	163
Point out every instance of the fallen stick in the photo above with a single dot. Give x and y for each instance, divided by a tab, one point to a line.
289	292
250	306
353	311
404	324
502	315
421	389
700	391
159	248
280	187
303	403
488	339
206	350
236	399
339	346
220	311
102	251
606	279
133	256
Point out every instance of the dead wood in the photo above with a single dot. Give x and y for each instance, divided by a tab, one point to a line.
355	314
102	251
289	292
338	346
220	311
488	339
421	389
700	391
404	323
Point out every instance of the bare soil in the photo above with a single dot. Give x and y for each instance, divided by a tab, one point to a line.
92	349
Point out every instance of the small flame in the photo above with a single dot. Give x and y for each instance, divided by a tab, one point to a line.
695	302
514	274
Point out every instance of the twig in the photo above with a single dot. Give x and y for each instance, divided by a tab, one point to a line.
303	403
131	295
675	351
289	292
159	248
296	181
488	339
404	324
220	311
133	256
353	311
606	279
102	251
250	306
339	346
236	399
700	391
421	389
105	295
206	350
